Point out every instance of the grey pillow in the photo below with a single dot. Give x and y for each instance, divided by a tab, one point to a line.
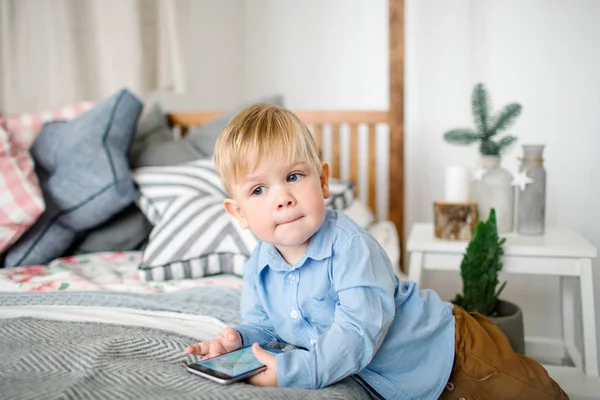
83	169
155	146
203	138
152	128
154	143
127	230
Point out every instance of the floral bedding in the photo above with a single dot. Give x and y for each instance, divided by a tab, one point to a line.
114	271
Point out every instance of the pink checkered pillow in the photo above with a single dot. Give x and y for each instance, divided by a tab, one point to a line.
21	200
26	126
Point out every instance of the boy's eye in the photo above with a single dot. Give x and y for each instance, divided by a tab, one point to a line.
294	177
257	191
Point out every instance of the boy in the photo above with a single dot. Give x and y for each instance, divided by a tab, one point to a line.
318	281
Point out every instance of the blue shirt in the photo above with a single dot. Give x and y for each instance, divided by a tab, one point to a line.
344	304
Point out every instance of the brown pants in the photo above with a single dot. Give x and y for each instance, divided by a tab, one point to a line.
486	367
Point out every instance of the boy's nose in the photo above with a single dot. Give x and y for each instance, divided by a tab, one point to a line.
285	200
287	204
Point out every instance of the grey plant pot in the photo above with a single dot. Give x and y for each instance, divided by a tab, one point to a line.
510	321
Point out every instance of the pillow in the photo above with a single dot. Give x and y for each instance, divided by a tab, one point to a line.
341	194
152	128
387	236
154	143
360	213
84	173
26	126
126	230
162	149
203	138
129	229
193	235
21	201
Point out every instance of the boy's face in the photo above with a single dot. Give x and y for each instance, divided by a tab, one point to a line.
282	204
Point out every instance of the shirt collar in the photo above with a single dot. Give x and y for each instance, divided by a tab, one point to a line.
319	248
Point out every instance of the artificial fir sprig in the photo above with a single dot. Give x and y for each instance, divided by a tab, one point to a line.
487	126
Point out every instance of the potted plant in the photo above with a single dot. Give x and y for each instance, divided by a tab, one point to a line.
492	185
479	272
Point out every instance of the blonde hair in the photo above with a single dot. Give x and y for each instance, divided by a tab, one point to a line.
257	132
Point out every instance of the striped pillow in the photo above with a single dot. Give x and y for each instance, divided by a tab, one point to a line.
193	235
341	194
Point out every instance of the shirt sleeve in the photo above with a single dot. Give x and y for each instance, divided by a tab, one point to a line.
256	326
364	280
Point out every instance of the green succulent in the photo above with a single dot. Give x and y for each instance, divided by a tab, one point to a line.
487	126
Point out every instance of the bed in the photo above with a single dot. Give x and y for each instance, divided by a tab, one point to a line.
99	325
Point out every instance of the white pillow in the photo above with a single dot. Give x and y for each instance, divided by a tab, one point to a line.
387	236
360	213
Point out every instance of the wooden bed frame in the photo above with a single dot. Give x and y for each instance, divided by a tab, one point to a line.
333	120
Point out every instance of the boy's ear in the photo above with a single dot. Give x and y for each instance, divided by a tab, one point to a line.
325	180
235	211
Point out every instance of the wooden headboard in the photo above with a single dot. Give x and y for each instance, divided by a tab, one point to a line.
352	121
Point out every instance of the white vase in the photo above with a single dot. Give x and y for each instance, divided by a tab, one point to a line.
494	190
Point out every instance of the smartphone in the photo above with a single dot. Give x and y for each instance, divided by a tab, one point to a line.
230	367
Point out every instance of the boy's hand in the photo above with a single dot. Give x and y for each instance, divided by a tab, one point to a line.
268	377
228	340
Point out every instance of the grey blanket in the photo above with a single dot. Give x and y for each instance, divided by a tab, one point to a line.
49	359
221	303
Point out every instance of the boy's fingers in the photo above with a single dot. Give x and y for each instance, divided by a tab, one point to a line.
262	355
193	349
230	334
213	348
198	348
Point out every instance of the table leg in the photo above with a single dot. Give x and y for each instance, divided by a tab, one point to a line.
589	317
567	296
415	267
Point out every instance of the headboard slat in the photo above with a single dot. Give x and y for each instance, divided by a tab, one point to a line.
335	151
372	167
354	157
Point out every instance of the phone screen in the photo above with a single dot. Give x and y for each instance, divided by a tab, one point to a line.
235	363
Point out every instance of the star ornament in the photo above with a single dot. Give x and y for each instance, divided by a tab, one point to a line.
521	180
478	173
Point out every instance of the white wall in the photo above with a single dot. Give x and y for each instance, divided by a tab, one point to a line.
541	53
320	54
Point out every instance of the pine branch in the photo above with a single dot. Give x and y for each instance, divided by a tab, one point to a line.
481	109
461	136
486	126
489	148
505	142
506	118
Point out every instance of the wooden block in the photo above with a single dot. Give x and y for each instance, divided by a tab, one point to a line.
454	221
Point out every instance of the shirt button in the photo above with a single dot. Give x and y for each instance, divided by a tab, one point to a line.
292	277
313	341
294	314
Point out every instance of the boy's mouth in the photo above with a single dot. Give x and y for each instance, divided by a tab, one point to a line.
290	220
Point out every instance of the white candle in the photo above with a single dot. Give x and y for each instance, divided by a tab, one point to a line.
458	181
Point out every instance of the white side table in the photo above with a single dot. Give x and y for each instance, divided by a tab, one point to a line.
560	252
